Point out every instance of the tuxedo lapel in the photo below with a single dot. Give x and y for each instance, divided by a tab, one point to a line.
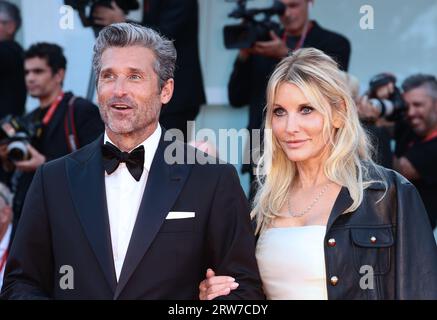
164	184
86	179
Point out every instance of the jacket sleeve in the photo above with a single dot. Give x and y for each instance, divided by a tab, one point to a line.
173	17
89	124
416	250
239	90
339	48
29	270
231	241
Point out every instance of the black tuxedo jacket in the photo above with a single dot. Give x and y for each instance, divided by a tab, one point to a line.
65	223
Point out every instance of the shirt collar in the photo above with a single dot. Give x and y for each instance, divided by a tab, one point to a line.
4	243
150	146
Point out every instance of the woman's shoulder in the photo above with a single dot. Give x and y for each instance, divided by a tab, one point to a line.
382	176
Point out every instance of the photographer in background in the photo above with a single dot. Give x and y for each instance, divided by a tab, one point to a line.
177	20
12	87
63	122
253	66
381	111
416	144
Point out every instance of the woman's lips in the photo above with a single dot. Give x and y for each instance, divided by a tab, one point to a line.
294	144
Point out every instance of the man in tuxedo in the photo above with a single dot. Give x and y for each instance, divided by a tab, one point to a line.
178	21
116	220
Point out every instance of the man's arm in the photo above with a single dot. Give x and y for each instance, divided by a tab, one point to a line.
173	17
239	90
406	168
339	48
89	124
29	271
231	241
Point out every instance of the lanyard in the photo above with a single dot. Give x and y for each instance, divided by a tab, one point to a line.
52	109
306	29
3	260
431	136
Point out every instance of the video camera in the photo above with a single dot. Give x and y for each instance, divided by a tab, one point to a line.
87	19
244	35
392	106
17	134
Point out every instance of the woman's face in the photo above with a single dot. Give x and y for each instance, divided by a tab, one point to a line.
297	125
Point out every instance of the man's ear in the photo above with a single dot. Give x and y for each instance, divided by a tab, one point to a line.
167	91
310	4
60	75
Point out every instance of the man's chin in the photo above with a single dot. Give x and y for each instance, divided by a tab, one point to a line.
419	132
35	95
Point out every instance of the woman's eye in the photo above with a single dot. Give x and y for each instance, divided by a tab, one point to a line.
306	110
279	112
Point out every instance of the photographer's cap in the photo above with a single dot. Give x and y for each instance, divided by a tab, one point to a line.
381	79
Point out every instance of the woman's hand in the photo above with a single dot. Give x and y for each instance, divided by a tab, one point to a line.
214	286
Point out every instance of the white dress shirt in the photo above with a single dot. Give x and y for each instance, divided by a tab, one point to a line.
4	244
124	195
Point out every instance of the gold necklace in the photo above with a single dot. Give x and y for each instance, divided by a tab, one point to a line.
300	214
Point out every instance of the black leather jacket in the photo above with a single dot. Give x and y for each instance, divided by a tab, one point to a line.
392	237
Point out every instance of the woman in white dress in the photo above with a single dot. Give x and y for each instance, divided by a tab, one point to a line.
325	213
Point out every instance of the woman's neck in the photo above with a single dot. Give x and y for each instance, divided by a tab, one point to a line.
311	173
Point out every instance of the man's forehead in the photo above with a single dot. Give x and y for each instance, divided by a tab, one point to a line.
419	92
129	52
36	62
293	2
134	57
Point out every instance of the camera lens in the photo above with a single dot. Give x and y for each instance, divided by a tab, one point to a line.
17	151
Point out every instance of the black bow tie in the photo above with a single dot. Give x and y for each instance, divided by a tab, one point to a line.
134	160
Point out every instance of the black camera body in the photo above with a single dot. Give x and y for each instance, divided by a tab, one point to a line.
17	134
87	19
251	30
392	108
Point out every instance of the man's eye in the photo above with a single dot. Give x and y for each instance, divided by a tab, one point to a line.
306	110
107	76
135	77
279	112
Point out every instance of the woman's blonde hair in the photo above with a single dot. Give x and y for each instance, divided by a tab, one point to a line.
349	159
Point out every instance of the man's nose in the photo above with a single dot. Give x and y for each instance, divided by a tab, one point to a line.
411	112
119	87
29	79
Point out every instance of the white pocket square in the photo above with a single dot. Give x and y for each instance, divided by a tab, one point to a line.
180	215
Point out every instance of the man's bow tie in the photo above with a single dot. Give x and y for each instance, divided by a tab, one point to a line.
134	160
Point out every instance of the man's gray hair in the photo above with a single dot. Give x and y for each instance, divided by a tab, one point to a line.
130	34
418	80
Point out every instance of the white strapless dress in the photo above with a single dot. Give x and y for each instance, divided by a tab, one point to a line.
292	263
